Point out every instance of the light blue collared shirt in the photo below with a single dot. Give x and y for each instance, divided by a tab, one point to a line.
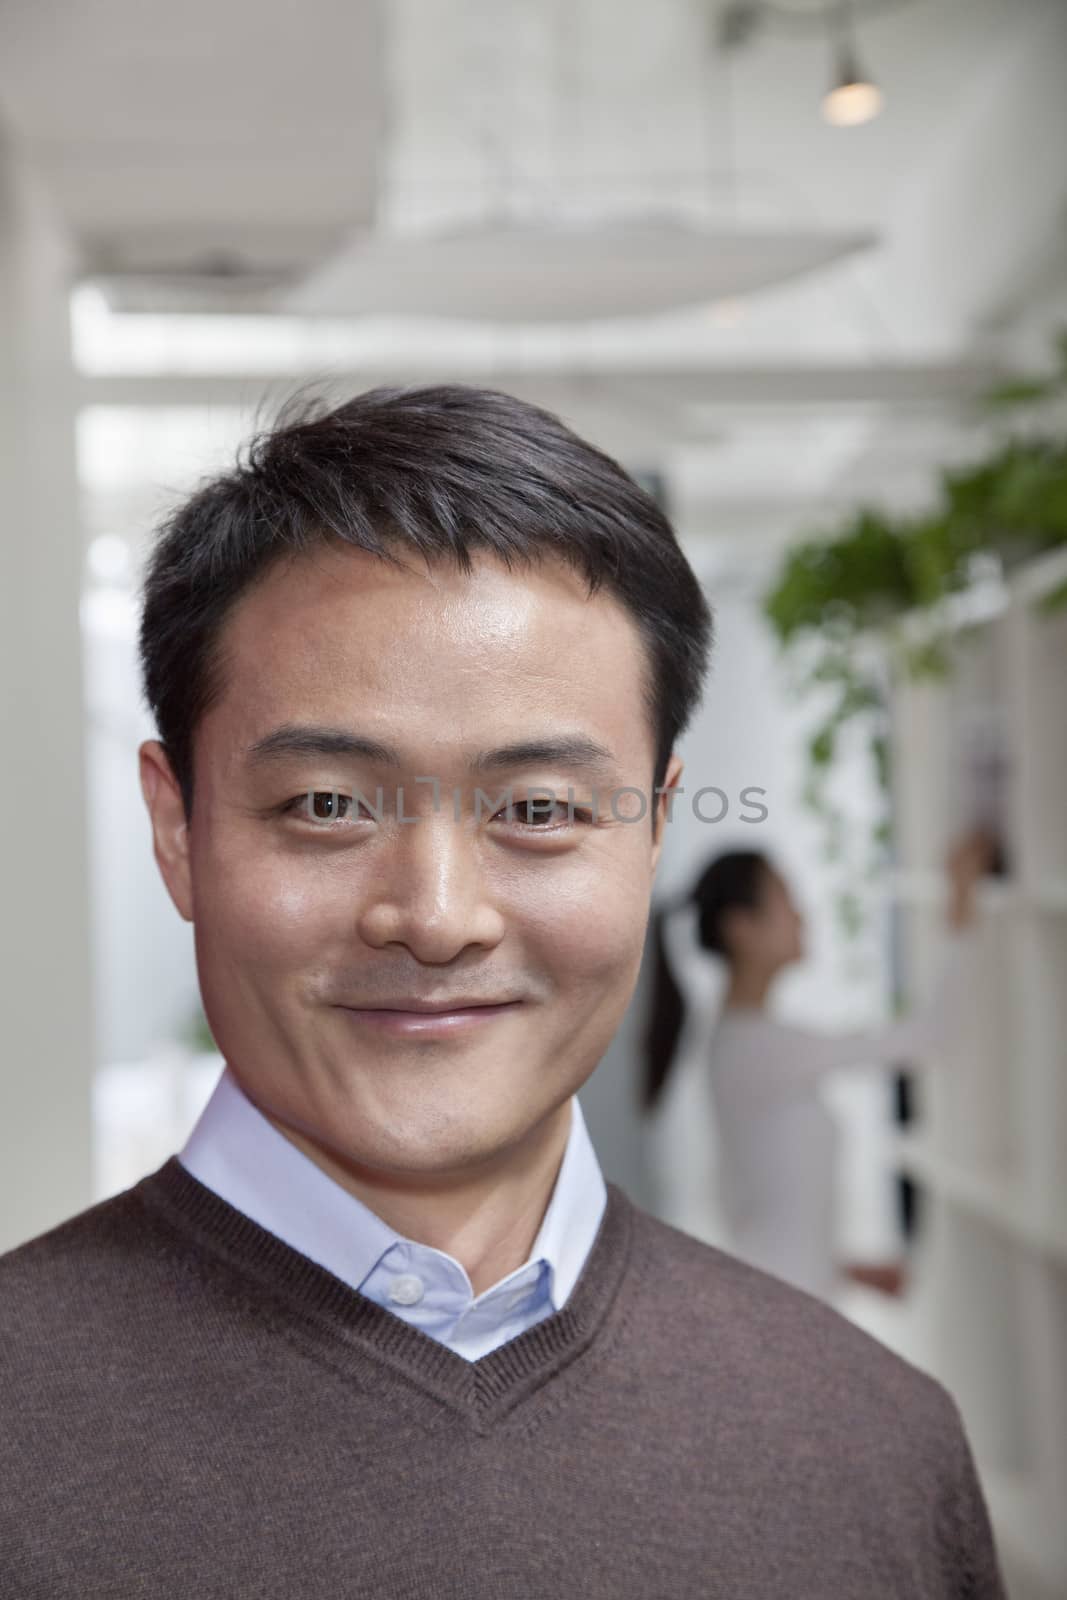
235	1151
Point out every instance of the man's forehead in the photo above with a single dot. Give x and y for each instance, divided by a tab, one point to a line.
389	625
337	655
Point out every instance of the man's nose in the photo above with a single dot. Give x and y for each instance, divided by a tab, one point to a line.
429	892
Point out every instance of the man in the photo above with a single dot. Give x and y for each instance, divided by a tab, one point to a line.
418	668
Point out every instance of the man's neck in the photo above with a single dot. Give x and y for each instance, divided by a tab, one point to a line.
487	1222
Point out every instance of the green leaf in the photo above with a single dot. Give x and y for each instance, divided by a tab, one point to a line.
879	748
1019	391
850	912
1054	600
821	746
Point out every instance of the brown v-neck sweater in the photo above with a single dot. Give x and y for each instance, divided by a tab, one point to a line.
189	1407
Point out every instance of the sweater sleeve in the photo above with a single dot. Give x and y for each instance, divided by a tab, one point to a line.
790	1057
970	1559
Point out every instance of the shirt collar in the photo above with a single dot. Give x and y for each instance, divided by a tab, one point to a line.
237	1152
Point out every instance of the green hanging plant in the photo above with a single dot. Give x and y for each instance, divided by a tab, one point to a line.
837	595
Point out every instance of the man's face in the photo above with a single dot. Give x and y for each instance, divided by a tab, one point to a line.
304	917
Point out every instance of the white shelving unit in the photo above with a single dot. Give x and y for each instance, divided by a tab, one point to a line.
990	1147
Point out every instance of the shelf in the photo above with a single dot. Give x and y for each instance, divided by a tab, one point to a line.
997	1319
1000	1202
929	888
969	1089
1042	947
1039	646
988	1145
954	759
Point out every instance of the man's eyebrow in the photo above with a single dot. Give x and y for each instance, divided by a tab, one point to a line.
575	750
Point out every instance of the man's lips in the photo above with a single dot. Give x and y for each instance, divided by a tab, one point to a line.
459	1002
417	1022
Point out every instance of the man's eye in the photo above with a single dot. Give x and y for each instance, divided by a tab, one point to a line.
538	812
320	805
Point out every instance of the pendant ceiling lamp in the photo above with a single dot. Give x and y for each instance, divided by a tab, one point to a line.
854	97
555	267
564	271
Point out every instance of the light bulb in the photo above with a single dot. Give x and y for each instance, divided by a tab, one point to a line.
854	98
849	104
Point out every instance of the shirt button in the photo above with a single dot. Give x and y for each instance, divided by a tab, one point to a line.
407	1290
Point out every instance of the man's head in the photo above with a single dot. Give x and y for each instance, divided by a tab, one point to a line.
401	590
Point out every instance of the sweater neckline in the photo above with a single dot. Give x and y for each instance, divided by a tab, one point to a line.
370	1336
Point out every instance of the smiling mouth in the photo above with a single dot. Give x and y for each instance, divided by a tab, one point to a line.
458	1018
434	1007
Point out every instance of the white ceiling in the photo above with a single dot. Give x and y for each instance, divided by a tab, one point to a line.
171	136
175	133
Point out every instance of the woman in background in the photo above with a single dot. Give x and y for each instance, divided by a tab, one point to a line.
777	1140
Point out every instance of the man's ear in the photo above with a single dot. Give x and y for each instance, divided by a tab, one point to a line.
664	801
170	831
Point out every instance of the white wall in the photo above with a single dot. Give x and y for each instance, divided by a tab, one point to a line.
145	969
44	932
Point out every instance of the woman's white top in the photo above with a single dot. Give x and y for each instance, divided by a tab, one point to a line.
778	1140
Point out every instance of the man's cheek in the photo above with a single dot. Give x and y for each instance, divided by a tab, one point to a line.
594	945
268	918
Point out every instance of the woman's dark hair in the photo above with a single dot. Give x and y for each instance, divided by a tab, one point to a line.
441	471
735	878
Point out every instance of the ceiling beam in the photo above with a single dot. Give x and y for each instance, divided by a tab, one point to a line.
662	390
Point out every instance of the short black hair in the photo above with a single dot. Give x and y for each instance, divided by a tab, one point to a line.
441	470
